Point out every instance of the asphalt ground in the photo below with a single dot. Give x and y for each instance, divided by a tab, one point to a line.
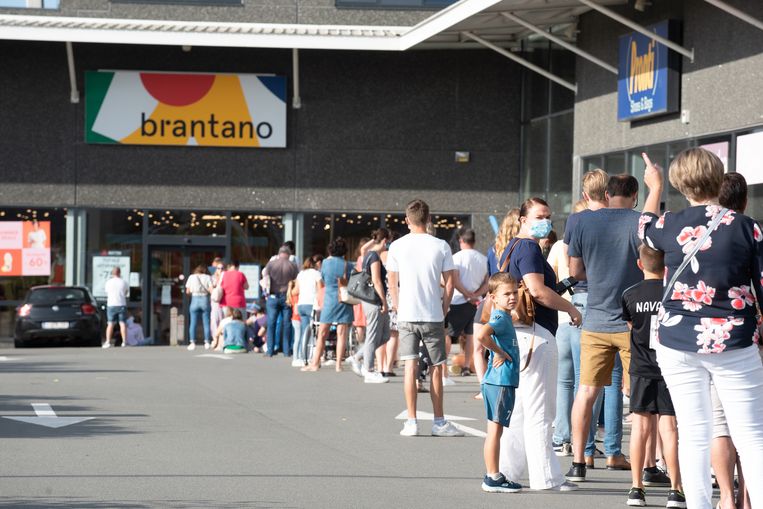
177	429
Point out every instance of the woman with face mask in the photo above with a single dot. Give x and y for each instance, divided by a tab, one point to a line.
526	444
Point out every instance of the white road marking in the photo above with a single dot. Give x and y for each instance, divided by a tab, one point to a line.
427	416
45	416
216	356
6	358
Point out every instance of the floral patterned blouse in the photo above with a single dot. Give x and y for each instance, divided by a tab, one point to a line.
711	307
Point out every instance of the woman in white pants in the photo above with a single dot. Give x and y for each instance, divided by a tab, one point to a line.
707	325
526	444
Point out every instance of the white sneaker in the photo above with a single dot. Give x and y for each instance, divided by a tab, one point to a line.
446	430
566	486
106	345
363	370
207	346
330	362
410	429
447	382
296	363
192	346
375	378
355	365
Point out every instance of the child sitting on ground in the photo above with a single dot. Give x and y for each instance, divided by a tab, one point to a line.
649	393
501	378
234	334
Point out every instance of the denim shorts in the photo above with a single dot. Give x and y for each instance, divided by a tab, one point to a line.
499	403
116	314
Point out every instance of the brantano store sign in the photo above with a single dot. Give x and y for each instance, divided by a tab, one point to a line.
153	108
648	74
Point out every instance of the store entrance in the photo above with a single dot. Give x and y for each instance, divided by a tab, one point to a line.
169	269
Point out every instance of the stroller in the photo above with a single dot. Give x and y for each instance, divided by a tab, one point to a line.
329	352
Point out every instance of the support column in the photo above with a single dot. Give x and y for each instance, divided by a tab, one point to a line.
76	256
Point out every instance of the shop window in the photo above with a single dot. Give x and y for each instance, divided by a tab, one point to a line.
317	233
30	4
355	229
185	222
17	263
255	237
560	197
535	159
116	233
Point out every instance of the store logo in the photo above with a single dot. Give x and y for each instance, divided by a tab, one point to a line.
648	84
148	108
641	74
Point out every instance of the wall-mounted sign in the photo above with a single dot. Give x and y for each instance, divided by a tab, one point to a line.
152	108
649	79
24	248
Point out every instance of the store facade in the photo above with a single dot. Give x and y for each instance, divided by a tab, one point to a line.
719	104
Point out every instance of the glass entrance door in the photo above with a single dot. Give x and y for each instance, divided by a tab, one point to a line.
169	268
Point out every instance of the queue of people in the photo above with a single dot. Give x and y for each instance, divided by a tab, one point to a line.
660	307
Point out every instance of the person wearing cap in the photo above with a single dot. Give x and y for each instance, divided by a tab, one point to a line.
280	271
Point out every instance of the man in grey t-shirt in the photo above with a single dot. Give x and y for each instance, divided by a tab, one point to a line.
603	250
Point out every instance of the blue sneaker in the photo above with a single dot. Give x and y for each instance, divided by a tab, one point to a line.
500	485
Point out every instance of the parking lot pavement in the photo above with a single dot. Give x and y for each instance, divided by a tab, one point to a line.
172	428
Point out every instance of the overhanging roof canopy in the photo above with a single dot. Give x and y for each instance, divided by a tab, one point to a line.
443	29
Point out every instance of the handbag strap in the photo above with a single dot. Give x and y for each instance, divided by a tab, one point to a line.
687	259
505	265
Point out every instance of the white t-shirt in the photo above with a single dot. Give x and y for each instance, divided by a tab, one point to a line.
199	284
472	269
419	259
116	291
307	279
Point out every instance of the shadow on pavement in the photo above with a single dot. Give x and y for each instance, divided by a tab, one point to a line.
31	366
45	502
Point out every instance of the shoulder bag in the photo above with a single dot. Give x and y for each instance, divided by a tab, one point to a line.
361	286
343	293
217	291
524	312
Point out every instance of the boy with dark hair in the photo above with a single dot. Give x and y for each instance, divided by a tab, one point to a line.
501	377
649	393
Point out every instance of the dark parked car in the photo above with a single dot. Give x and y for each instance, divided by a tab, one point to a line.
67	314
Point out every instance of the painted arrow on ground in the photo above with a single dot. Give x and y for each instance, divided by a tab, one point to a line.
216	356
45	416
427	416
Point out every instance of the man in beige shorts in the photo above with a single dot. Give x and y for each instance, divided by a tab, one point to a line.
603	250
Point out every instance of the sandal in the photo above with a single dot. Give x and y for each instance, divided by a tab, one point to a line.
466	372
478	396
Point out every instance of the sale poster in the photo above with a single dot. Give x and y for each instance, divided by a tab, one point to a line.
24	248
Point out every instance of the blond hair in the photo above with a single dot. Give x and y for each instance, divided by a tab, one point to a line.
579	206
697	174
595	184
498	279
508	230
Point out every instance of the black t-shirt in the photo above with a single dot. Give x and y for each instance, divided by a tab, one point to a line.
368	260
640	303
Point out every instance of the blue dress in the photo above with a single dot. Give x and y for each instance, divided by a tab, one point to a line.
334	311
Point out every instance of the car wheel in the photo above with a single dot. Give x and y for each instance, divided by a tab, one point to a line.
19	343
95	341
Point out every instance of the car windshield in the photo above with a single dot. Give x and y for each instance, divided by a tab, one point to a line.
49	296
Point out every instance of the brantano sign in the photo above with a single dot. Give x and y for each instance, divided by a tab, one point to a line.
149	108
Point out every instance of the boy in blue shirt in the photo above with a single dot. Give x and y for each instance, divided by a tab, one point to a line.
501	377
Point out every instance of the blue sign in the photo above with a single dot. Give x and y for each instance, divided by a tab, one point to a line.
648	78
